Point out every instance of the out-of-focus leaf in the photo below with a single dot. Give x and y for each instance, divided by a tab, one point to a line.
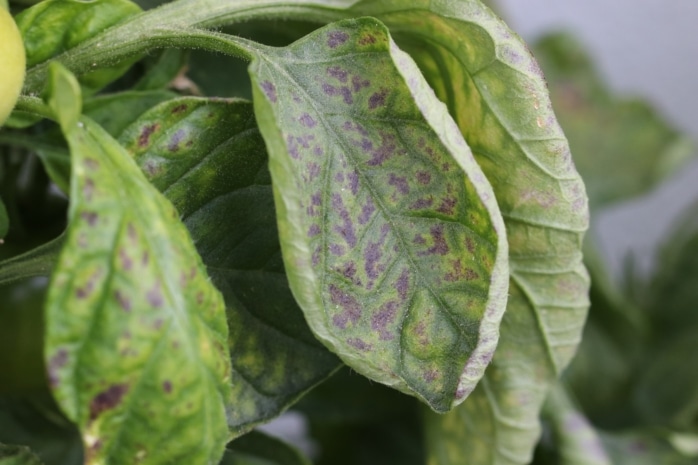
576	440
391	236
642	448
209	159
17	455
35	421
672	296
163	69
622	147
4	221
497	95
355	421
53	26
612	352
667	392
135	331
257	448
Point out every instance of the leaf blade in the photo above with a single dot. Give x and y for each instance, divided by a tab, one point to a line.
135	332
333	264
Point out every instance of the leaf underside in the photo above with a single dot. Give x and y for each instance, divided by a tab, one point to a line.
209	160
391	237
136	333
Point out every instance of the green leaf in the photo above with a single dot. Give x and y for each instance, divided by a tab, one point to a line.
256	448
17	455
576	440
163	69
622	147
497	95
52	26
136	333
392	240
209	159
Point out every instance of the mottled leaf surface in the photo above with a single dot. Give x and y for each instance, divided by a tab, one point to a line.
136	333
496	93
53	26
643	448
257	448
209	159
17	455
390	233
622	147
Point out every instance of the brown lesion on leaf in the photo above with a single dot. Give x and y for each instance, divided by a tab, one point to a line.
126	261
367	39
107	400
439	247
91	164
179	109
447	206
459	272
167	386
148	130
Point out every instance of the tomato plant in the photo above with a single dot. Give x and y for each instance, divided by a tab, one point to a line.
376	222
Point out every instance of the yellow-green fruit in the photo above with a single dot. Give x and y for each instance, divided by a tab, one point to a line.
12	64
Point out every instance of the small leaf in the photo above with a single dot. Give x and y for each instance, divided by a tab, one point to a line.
53	26
209	159
17	455
256	448
391	236
136	333
621	147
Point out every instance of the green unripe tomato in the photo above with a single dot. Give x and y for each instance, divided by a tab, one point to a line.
12	64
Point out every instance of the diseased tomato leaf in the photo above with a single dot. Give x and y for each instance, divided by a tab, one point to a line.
209	159
136	333
496	93
391	236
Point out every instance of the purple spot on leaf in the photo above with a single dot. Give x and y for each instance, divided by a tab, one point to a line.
402	285
358	83
366	212
359	344
421	204
384	316
377	99
447	206
178	136
90	217
154	296
338	73
423	177
336	38
269	90
107	400
307	121
167	387
346	229
314	230
58	361
336	249
385	151
124	302
144	138
351	309
400	183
